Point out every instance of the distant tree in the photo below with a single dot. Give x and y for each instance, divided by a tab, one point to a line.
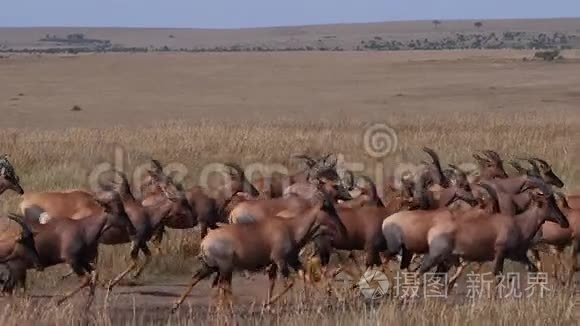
436	23
478	25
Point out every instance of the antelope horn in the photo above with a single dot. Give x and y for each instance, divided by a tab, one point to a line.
516	165
480	158
26	232
437	164
157	167
544	163
236	168
493	155
535	168
309	161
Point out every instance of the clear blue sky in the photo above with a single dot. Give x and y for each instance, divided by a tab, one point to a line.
255	13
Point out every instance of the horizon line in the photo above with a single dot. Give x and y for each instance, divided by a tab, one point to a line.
293	25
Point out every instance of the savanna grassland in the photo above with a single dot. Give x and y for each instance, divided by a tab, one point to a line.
263	108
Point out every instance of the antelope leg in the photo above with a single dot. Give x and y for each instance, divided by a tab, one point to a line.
92	286
85	282
197	277
456	276
134	262
141	268
289	284
272	271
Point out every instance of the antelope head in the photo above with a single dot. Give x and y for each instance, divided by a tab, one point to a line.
459	178
333	187
174	192
25	245
543	197
149	185
546	172
9	180
238	181
491	165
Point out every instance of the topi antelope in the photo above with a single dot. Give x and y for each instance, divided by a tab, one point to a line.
492	237
559	238
407	232
491	166
75	242
204	208
362	218
146	220
272	243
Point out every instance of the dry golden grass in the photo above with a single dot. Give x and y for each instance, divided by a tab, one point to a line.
553	309
199	109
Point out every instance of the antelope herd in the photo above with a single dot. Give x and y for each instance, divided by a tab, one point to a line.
448	216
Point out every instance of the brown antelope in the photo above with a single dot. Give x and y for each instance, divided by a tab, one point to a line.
75	242
205	210
492	237
273	242
14	249
9	180
490	166
362	220
406	232
145	220
559	238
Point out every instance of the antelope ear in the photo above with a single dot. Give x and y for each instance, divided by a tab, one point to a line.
3	171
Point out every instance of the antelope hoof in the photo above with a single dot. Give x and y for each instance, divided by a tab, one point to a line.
174	308
267	306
